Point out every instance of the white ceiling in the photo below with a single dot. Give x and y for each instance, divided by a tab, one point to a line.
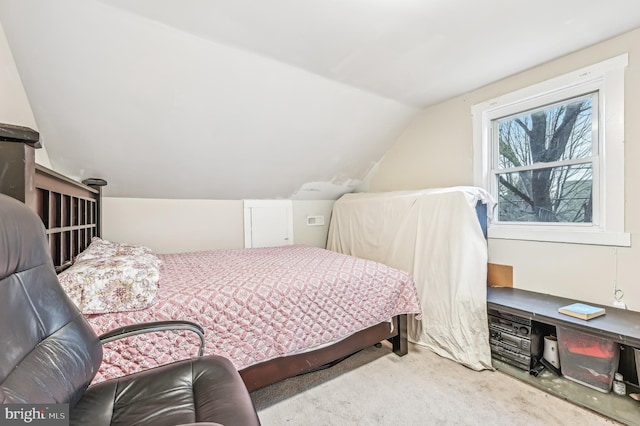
267	98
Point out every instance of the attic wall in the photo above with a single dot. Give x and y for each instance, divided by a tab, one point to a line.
165	225
170	226
14	104
437	149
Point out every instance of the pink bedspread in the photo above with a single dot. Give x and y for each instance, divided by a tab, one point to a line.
258	304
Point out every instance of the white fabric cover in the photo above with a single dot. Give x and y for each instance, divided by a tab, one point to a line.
435	235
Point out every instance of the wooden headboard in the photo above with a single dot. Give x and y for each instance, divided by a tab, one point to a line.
70	210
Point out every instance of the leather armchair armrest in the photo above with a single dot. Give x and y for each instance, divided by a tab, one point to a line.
200	424
151	327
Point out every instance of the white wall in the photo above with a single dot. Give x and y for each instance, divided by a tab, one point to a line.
170	226
437	150
14	104
311	235
167	226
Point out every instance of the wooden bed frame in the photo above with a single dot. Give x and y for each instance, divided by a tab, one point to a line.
70	210
71	213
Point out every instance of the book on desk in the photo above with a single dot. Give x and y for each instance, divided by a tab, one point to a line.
582	311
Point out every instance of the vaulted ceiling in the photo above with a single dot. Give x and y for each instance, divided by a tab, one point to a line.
267	98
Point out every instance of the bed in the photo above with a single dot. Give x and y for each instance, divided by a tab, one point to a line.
255	305
71	214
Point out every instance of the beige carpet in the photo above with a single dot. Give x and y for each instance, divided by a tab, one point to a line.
376	387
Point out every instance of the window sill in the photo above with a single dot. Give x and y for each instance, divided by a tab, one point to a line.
554	235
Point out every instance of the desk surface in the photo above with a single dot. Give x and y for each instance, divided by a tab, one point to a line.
619	325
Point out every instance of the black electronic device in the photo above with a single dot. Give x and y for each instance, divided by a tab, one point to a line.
515	340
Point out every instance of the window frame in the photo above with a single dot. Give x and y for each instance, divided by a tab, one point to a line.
606	78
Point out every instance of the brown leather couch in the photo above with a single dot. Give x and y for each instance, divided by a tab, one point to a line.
50	354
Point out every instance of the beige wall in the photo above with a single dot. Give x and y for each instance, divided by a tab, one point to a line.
437	150
170	226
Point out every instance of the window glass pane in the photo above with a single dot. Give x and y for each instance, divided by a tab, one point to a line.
558	132
557	194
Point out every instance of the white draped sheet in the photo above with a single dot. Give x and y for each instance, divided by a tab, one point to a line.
435	235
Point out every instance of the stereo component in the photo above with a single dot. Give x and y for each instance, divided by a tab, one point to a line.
515	340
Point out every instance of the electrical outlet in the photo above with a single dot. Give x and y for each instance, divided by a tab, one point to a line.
315	220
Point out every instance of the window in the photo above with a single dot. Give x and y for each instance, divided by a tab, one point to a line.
552	156
544	163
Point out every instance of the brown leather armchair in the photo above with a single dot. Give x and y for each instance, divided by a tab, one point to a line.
50	354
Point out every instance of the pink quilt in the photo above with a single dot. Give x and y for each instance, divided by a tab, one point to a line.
258	304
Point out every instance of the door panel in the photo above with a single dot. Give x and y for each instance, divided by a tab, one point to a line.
268	223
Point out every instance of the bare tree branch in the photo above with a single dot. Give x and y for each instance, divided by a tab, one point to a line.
524	126
516	191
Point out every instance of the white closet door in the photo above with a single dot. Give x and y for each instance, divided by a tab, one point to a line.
268	223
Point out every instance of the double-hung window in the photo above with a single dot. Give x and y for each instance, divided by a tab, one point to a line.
552	157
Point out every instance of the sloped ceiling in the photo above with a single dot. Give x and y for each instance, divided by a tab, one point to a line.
267	98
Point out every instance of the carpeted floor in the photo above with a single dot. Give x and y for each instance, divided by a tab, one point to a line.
375	387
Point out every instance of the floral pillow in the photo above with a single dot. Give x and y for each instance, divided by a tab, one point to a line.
112	277
100	249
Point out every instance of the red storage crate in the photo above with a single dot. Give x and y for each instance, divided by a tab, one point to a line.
586	359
